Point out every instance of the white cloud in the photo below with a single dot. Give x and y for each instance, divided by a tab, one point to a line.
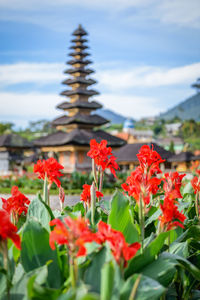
131	106
41	73
179	12
28	105
147	76
110	79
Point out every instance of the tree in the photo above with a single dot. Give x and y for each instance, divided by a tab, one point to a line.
6	128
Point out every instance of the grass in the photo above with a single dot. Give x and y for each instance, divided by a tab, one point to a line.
52	192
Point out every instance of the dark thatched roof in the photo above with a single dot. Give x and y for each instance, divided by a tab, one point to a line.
79	80
80	53
79	39
14	141
79	47
181	157
80	31
80	104
78	137
79	61
129	152
79	91
80	119
79	70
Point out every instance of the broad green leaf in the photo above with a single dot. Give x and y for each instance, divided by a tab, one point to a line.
188	189
120	218
148	256
38	211
145	289
180	249
192	232
107	280
161	270
153	217
92	274
36	251
186	264
19	290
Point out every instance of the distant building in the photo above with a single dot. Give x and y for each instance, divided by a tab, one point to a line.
75	129
173	128
178	143
127	155
182	161
13	150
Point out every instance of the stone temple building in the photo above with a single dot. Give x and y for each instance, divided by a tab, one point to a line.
79	124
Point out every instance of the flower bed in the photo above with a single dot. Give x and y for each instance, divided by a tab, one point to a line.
143	244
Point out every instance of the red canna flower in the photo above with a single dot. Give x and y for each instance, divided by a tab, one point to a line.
195	182
8	230
16	204
149	160
172	185
140	184
73	232
102	156
51	168
121	250
86	194
171	217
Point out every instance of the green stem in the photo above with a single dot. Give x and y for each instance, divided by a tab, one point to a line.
196	205
94	171
101	181
93	202
135	287
72	270
45	191
6	266
141	217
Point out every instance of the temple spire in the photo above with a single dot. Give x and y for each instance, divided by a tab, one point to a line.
78	95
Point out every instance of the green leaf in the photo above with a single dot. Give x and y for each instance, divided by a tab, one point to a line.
38	210
140	261
188	189
186	264
120	217
36	251
192	232
107	280
147	288
153	217
92	274
180	249
161	270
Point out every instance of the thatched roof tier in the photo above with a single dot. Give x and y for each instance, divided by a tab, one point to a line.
79	31
79	91
14	141
79	79
94	120
78	137
128	153
93	105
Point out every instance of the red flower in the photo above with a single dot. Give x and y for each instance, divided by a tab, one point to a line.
121	250
171	217
51	168
103	156
140	184
149	159
8	230
73	232
86	194
16	204
195	182
172	185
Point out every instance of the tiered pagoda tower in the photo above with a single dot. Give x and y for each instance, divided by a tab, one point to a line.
76	128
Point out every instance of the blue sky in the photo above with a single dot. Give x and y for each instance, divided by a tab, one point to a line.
146	54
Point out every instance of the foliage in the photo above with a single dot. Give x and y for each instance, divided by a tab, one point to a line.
71	254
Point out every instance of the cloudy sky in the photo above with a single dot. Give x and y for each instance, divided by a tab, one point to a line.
146	54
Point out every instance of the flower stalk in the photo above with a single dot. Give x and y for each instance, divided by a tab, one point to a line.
93	201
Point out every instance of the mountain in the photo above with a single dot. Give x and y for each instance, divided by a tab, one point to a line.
110	115
186	110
